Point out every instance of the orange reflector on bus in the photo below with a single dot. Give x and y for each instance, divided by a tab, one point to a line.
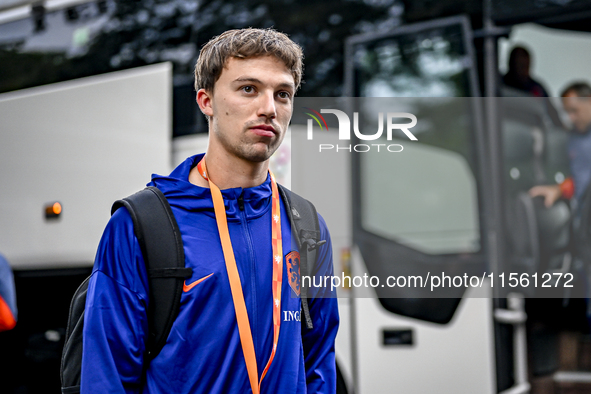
53	210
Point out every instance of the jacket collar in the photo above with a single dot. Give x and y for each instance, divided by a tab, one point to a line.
184	195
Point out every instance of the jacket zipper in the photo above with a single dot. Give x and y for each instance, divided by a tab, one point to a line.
254	309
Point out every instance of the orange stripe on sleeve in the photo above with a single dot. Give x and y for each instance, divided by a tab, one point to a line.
7	321
567	188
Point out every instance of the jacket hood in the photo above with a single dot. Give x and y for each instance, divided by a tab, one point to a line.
185	195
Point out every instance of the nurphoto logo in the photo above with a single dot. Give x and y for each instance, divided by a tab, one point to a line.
345	130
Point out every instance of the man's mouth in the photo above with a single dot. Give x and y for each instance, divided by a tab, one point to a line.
264	130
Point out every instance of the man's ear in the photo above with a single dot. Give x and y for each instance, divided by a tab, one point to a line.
204	102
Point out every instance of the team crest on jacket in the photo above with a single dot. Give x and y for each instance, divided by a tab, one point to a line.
293	271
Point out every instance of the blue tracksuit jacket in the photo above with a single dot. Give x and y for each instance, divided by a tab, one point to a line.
203	353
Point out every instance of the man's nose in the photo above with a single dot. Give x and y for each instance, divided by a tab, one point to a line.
267	105
573	118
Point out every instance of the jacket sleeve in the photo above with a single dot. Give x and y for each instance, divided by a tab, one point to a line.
8	311
319	342
567	188
115	322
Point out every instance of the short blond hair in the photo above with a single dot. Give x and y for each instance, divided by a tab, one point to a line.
242	44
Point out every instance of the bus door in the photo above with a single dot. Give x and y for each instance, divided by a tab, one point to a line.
419	217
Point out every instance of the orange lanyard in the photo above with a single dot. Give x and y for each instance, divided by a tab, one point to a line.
235	285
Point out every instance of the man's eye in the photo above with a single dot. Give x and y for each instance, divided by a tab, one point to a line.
248	89
284	95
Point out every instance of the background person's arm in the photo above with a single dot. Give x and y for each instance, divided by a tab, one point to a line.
553	193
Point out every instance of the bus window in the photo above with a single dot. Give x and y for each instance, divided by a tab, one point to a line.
432	59
430	200
419	210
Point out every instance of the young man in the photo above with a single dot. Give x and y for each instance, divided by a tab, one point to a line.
232	334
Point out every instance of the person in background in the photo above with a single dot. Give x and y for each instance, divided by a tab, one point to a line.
519	77
576	101
8	312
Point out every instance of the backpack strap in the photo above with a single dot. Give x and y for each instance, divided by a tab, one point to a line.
162	248
304	220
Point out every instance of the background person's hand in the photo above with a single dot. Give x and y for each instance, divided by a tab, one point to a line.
551	193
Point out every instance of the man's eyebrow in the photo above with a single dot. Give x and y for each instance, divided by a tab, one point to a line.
248	79
256	80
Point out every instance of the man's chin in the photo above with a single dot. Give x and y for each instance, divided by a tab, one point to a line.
260	153
258	156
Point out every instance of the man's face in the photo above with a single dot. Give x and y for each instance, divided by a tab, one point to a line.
579	110
522	63
250	107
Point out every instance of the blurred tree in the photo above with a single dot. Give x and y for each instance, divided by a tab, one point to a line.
140	32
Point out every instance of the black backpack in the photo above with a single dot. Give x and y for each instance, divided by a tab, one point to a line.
160	241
